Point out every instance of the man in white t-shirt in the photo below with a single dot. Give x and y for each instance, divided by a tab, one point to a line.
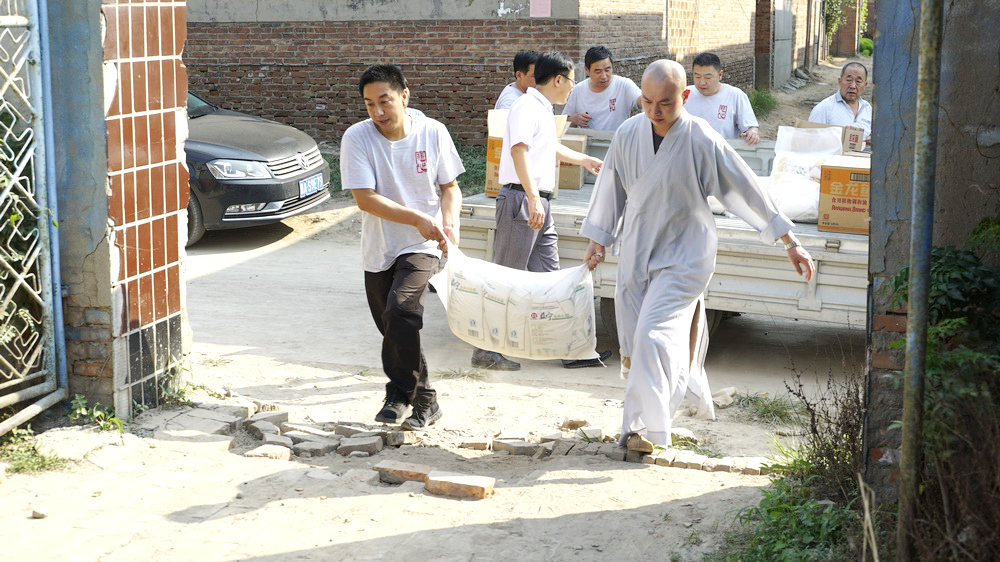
402	169
525	232
524	78
604	100
726	108
846	108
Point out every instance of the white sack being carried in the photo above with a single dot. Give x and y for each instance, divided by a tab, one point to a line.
519	313
799	154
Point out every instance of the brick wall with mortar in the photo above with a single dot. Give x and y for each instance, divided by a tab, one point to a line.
305	74
635	31
724	27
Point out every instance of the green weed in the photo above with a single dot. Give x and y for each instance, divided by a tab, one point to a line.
763	102
768	410
21	454
789	524
104	418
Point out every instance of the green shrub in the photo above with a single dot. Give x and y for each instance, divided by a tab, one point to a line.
866	46
957	518
762	102
473	181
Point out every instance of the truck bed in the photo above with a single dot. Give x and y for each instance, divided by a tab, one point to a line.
751	277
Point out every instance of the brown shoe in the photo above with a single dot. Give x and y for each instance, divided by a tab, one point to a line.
639	444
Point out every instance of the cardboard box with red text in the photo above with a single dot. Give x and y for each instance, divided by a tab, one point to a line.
845	194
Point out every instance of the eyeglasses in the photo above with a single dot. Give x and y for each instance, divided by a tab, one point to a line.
572	82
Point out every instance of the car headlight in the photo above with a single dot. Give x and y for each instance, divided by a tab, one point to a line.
238	169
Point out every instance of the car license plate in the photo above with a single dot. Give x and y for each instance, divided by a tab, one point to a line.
310	185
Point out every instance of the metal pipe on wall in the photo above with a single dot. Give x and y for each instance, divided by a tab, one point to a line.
62	376
921	241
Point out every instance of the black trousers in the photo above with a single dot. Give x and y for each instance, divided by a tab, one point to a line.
396	301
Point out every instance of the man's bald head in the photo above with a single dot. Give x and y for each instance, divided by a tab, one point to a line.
665	71
663	94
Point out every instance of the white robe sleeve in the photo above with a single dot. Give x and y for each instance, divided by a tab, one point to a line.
729	179
607	202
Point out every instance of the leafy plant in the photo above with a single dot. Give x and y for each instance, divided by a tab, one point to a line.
866	46
21	454
105	419
473	181
835	14
961	424
789	524
171	395
763	102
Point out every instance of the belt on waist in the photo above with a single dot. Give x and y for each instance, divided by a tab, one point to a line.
547	195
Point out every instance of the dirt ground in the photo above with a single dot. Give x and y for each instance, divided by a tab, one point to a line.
278	313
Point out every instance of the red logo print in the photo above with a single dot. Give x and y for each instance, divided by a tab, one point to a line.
611	104
421	161
723	110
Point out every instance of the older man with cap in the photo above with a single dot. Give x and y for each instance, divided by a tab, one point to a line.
650	199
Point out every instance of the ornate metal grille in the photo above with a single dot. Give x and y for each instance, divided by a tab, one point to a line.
26	331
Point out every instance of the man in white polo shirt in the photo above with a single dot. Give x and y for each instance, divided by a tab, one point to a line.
726	108
524	78
845	108
604	100
402	169
525	233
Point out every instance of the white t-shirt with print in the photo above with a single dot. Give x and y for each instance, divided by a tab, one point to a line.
530	122
408	171
607	109
728	111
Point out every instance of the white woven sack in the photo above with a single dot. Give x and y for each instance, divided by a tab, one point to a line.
519	313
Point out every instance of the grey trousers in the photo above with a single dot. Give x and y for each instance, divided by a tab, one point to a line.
516	244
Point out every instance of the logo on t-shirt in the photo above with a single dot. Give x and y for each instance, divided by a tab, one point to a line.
611	104
723	109
421	161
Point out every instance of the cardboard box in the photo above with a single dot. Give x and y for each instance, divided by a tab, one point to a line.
571	176
844	194
496	121
852	137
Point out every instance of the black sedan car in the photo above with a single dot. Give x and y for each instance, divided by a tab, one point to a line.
248	171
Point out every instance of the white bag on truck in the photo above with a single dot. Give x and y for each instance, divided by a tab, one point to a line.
798	158
519	313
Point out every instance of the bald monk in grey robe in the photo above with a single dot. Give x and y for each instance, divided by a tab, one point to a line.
650	200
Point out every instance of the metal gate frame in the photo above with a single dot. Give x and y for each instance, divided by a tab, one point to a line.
32	348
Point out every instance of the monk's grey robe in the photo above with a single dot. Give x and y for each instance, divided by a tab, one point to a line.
653	208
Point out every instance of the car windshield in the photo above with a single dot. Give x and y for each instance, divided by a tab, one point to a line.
198	107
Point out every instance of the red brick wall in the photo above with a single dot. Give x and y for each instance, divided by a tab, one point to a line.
634	30
724	27
305	74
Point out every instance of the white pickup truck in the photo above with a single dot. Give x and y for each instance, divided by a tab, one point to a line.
751	277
